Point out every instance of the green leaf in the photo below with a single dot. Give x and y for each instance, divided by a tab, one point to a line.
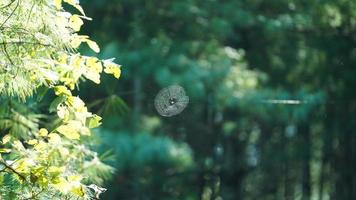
56	102
93	121
41	92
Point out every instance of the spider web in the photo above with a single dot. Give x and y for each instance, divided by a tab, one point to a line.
171	101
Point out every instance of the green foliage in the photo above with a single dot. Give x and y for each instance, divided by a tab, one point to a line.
235	58
17	119
150	159
45	153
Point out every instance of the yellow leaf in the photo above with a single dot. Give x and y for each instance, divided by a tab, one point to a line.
50	76
76	103
18	145
54	138
58	4
71	2
69	131
40	146
62	185
94	64
5	150
74	178
112	68
43	132
75	22
79	8
85	131
42	181
74	181
62	58
78	191
93	76
63	112
91	61
32	142
63	151
53	170
93	45
76	5
93	121
77	40
93	70
76	61
62	90
6	139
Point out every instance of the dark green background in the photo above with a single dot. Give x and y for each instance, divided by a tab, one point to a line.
230	56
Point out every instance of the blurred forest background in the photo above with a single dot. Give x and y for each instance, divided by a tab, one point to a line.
232	57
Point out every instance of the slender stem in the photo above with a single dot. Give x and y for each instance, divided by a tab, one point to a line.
25	42
29	15
7	5
12	12
33	196
7	54
13	170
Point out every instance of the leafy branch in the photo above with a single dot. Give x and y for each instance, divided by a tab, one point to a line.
8	167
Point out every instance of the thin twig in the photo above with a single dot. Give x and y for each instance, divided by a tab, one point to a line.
7	54
29	15
13	170
12	12
7	5
25	42
33	196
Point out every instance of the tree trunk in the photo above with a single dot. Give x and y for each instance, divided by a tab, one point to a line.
306	187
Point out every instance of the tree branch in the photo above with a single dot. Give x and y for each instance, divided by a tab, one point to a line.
22	177
12	12
5	6
25	42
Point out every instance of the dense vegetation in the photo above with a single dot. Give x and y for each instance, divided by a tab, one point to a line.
231	56
272	112
46	148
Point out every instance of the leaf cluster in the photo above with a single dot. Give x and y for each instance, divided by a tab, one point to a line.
45	153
